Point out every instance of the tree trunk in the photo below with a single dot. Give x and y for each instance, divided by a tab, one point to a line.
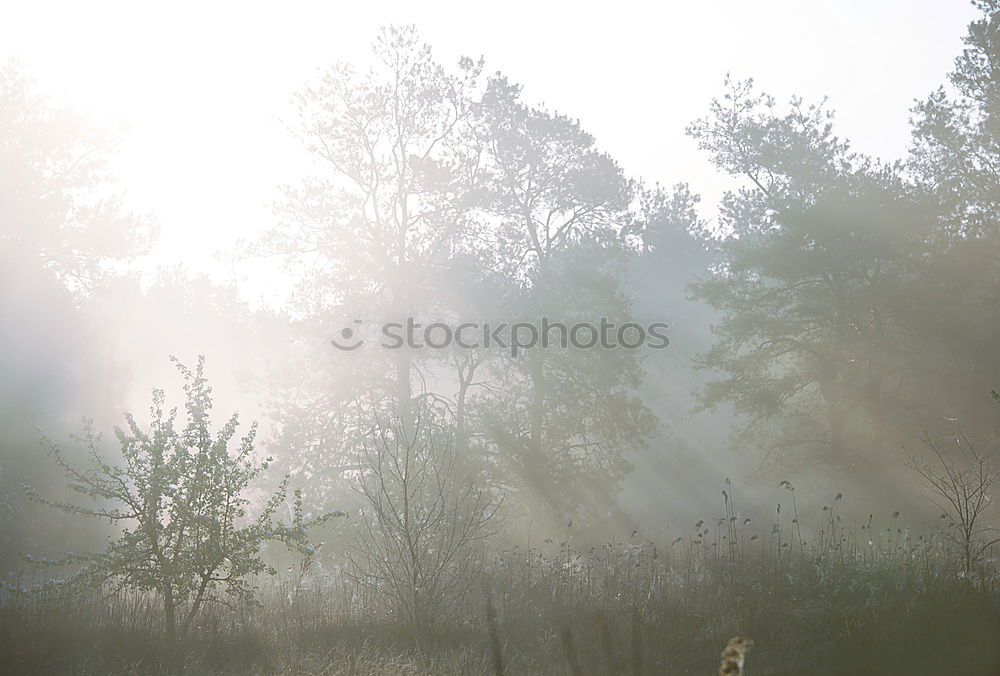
196	606
463	463
169	625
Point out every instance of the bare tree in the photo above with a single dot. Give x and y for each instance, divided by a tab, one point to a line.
962	490
422	516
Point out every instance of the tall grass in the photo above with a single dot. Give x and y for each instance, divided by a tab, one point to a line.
846	596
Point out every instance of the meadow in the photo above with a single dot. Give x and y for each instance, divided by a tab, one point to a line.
863	597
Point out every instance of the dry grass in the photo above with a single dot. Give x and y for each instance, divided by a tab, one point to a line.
864	597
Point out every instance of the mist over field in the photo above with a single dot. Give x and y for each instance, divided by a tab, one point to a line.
404	340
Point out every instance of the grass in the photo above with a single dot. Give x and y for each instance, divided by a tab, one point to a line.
862	597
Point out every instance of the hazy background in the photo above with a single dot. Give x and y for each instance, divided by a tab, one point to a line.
202	90
198	98
808	194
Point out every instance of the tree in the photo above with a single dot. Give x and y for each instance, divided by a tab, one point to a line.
956	158
386	207
441	200
555	425
179	498
562	222
858	299
962	490
548	185
421	517
821	249
957	132
61	211
371	231
64	231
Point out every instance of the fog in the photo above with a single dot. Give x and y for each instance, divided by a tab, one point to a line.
616	325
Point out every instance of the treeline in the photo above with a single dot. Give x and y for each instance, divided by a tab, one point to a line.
855	301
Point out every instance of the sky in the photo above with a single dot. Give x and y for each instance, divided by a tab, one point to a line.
200	92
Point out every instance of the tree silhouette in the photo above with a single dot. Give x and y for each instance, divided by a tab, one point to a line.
179	497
